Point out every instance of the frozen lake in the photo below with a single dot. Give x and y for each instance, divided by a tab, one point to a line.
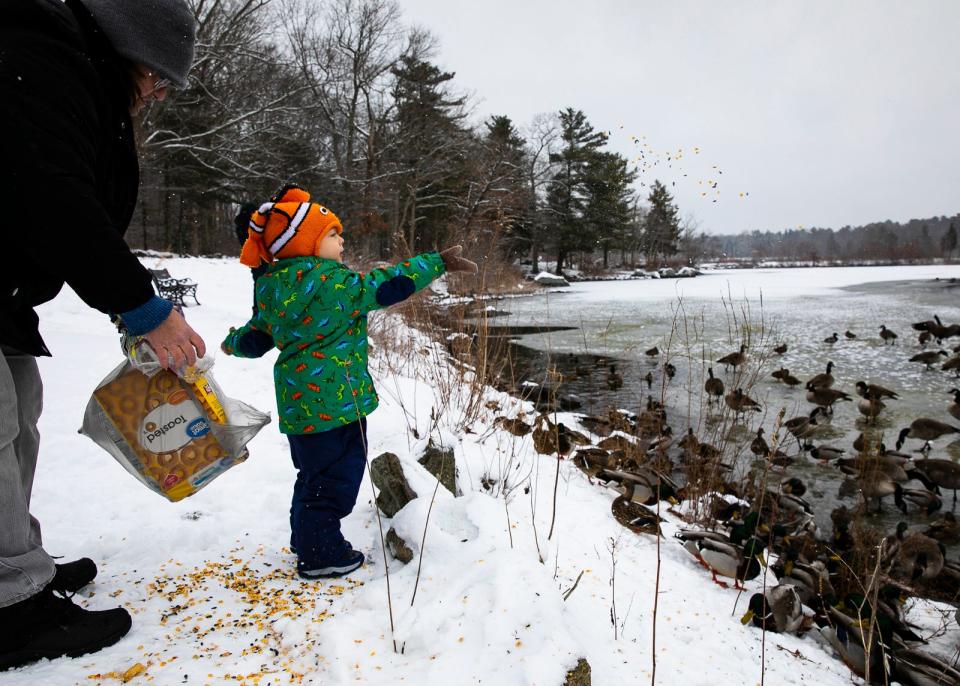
696	321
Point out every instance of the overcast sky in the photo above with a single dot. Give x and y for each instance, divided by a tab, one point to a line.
826	112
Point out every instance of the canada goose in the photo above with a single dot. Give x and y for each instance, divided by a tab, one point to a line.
876	483
824	380
945	530
778	609
954	408
866	466
919	556
721	556
924	338
870	407
832	338
874	392
941	473
780	349
925	430
928	325
825	397
929	357
859	443
803	426
734	359
614	379
952	365
849	334
652	352
887	335
516	426
713	386
633	515
740	402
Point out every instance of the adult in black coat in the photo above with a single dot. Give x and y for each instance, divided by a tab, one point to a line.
71	77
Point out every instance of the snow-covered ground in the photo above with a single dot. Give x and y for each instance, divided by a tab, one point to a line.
211	584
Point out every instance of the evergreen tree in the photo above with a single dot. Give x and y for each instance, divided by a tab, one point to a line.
607	207
567	191
949	241
662	227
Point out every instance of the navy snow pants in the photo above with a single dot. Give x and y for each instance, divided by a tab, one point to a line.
330	468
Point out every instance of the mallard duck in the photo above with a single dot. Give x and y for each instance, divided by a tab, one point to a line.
721	556
926	430
826	453
812	580
790	380
912	666
921	500
929	358
516	426
887	335
780	349
779	373
758	446
954	408
740	402
647	484
734	359
649	379
669	370
846	635
652	352
832	338
946	529
778	609
713	387
825	397
803	426
874	392
550	438
633	515
849	335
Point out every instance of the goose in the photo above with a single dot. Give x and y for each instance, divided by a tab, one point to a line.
870	407
778	609
952	365
874	392
945	529
929	357
713	386
831	339
824	380
925	430
849	334
734	359
928	325
940	473
876	484
633	515
887	335
924	338
919	557
803	426
780	349
740	402
954	408
614	379
825	397
721	556
652	352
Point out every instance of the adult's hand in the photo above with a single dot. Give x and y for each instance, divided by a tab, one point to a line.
455	263
177	345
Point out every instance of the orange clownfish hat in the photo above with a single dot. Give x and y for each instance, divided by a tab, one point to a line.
287	226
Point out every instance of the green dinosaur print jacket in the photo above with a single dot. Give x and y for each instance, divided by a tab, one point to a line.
315	311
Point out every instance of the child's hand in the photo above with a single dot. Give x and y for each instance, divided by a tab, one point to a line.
455	263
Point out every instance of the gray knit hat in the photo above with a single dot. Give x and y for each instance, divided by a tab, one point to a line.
156	33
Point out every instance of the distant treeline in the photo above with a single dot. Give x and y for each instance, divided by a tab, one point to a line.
886	241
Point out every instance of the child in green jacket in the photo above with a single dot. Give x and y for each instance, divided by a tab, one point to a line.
314	310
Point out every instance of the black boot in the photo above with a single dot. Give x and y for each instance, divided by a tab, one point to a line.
49	626
73	576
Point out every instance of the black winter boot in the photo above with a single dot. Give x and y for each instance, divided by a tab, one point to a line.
48	625
73	576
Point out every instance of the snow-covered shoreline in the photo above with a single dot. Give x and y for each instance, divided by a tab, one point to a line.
209	579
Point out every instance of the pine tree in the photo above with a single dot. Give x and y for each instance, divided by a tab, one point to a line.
567	190
607	207
949	241
662	227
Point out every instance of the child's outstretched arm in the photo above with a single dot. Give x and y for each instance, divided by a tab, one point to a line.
391	285
250	340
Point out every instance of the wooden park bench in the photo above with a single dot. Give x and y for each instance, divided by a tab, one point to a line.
174	290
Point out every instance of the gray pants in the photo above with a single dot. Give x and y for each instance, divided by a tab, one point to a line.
25	567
